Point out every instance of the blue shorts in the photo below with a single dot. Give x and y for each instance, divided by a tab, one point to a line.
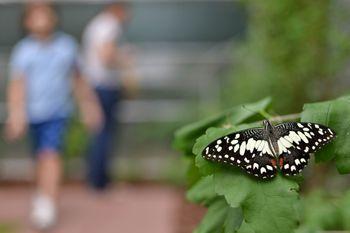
48	135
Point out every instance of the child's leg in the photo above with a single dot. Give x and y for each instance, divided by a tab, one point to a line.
47	140
49	172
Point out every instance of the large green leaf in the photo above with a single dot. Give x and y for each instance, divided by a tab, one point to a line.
186	136
320	212
344	207
203	191
267	206
334	114
220	218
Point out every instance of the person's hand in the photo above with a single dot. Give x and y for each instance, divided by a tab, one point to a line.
92	117
15	127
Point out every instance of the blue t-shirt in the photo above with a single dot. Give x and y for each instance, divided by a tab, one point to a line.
47	68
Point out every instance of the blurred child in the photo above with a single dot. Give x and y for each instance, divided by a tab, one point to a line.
109	70
44	72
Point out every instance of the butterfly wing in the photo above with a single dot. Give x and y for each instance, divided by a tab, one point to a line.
307	137
294	162
247	149
296	140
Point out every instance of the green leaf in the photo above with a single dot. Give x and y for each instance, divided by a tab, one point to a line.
245	228
233	220
203	191
344	207
186	136
220	218
267	206
320	212
193	172
332	114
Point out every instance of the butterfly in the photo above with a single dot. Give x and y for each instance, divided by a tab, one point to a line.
263	151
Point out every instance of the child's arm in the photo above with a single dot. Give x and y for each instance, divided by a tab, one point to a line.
88	103
16	122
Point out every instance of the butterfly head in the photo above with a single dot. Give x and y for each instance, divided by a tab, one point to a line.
268	126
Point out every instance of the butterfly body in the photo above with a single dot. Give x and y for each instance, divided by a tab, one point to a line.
263	151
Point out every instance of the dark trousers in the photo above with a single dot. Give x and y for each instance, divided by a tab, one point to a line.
100	151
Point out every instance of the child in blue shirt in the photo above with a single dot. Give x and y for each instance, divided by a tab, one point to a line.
44	72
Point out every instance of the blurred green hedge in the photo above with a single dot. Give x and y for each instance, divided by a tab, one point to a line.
293	52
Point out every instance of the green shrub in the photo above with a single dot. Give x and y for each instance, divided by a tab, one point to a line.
238	203
293	51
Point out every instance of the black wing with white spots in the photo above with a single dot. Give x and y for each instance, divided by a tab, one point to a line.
306	137
296	140
294	162
247	149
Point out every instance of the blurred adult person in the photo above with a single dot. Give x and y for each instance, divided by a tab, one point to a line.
44	72
106	64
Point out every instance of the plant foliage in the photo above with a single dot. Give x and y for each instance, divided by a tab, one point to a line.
293	51
239	203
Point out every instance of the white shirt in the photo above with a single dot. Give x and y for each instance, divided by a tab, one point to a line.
104	28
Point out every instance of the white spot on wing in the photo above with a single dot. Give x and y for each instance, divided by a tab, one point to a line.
302	136
281	147
237	136
286	143
242	148
261	146
293	168
294	136
288	139
257	144
234	142
236	148
307	134
251	144
268	150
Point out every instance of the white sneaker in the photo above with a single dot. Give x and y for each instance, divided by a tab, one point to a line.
43	213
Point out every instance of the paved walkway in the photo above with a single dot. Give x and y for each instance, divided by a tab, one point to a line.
125	209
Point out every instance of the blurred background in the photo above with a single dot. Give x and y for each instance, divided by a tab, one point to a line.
181	48
193	58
